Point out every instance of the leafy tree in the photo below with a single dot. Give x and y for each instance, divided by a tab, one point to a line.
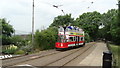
115	29
61	20
108	19
87	37
7	31
90	22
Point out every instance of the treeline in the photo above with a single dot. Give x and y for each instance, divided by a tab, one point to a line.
96	26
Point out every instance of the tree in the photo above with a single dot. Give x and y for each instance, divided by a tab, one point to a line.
89	22
7	31
61	20
108	19
115	29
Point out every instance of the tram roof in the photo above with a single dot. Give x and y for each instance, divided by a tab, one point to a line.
73	28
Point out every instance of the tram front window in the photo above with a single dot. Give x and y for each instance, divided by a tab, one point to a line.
61	29
61	38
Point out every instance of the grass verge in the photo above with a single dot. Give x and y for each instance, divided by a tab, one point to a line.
115	49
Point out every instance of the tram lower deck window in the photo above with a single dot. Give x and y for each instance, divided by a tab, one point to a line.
71	38
82	39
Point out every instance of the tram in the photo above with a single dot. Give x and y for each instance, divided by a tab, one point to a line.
70	36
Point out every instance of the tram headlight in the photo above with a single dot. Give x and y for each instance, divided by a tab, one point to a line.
61	44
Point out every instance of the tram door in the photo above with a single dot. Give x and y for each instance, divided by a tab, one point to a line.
76	40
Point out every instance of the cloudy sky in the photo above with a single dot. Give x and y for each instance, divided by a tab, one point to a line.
19	12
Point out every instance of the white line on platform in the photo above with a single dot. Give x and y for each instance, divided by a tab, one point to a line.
26	65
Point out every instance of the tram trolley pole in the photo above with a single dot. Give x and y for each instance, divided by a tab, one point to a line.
107	59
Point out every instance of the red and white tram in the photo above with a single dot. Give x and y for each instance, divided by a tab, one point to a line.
69	37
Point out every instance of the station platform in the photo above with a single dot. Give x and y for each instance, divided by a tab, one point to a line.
95	58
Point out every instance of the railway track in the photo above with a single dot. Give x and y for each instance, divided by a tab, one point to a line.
19	59
85	50
75	52
19	56
74	56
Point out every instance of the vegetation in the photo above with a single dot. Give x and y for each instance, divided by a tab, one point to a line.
115	51
19	41
19	52
11	49
110	29
46	38
8	39
90	22
7	31
61	20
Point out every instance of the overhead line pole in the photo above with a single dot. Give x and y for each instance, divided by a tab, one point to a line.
33	23
119	6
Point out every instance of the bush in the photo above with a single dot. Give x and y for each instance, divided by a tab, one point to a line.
46	39
10	49
26	48
87	38
19	41
20	52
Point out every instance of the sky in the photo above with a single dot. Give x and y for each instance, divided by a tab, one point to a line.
19	12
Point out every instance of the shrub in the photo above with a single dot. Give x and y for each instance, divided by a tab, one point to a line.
46	39
20	52
87	38
10	49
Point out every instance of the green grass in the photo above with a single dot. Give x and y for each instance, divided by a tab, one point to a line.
116	54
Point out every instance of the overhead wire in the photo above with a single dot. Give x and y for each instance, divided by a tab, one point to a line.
53	5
